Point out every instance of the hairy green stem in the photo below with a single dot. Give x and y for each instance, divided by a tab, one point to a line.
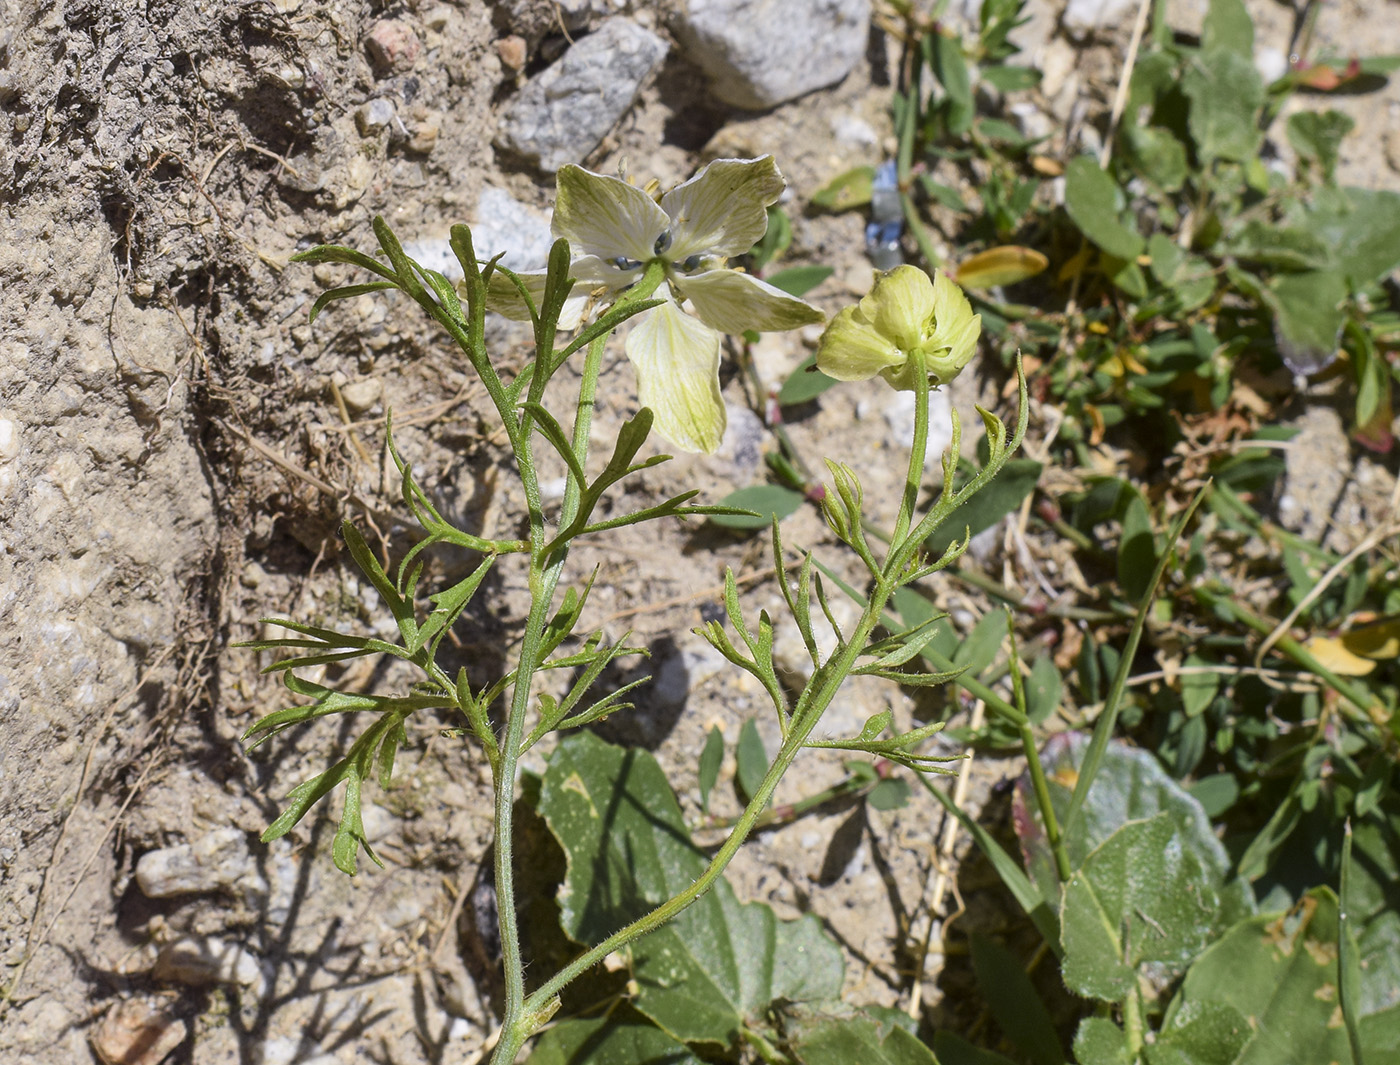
546	566
1053	834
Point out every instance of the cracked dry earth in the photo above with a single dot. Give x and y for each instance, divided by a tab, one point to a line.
178	446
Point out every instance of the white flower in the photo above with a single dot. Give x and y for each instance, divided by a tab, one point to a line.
617	230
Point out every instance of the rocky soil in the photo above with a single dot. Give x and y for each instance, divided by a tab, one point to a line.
178	446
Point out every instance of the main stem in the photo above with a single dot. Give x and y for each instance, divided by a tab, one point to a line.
519	1014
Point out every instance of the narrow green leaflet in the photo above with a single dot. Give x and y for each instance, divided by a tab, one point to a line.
710	760
1044	687
799	280
953	1049
620	1038
721	965
1141	902
751	759
1013	1002
804	384
1137	547
1348	955
851	189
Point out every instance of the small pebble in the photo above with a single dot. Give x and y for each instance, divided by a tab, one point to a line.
423	134
512	52
393	47
138	1031
360	396
373	116
218	861
202	961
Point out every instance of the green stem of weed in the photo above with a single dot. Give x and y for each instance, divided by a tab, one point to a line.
525	1018
1132	1022
522	1017
1053	835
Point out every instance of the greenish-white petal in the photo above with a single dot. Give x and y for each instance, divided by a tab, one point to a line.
606	217
677	362
955	327
504	298
900	305
851	349
591	271
723	209
571	314
732	302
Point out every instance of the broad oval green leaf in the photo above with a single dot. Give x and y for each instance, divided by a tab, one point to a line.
1277	974
866	1037
851	189
768	501
1131	785
620	1038
799	280
1091	198
720	965
1141	904
804	384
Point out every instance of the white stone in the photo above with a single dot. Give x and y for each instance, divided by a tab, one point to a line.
1271	64
1083	17
9	439
504	224
360	396
760	53
680	674
377	822
138	1031
218	861
740	454
565	112
854	131
201	961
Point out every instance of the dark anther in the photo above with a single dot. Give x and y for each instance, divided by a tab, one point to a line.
624	263
662	243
